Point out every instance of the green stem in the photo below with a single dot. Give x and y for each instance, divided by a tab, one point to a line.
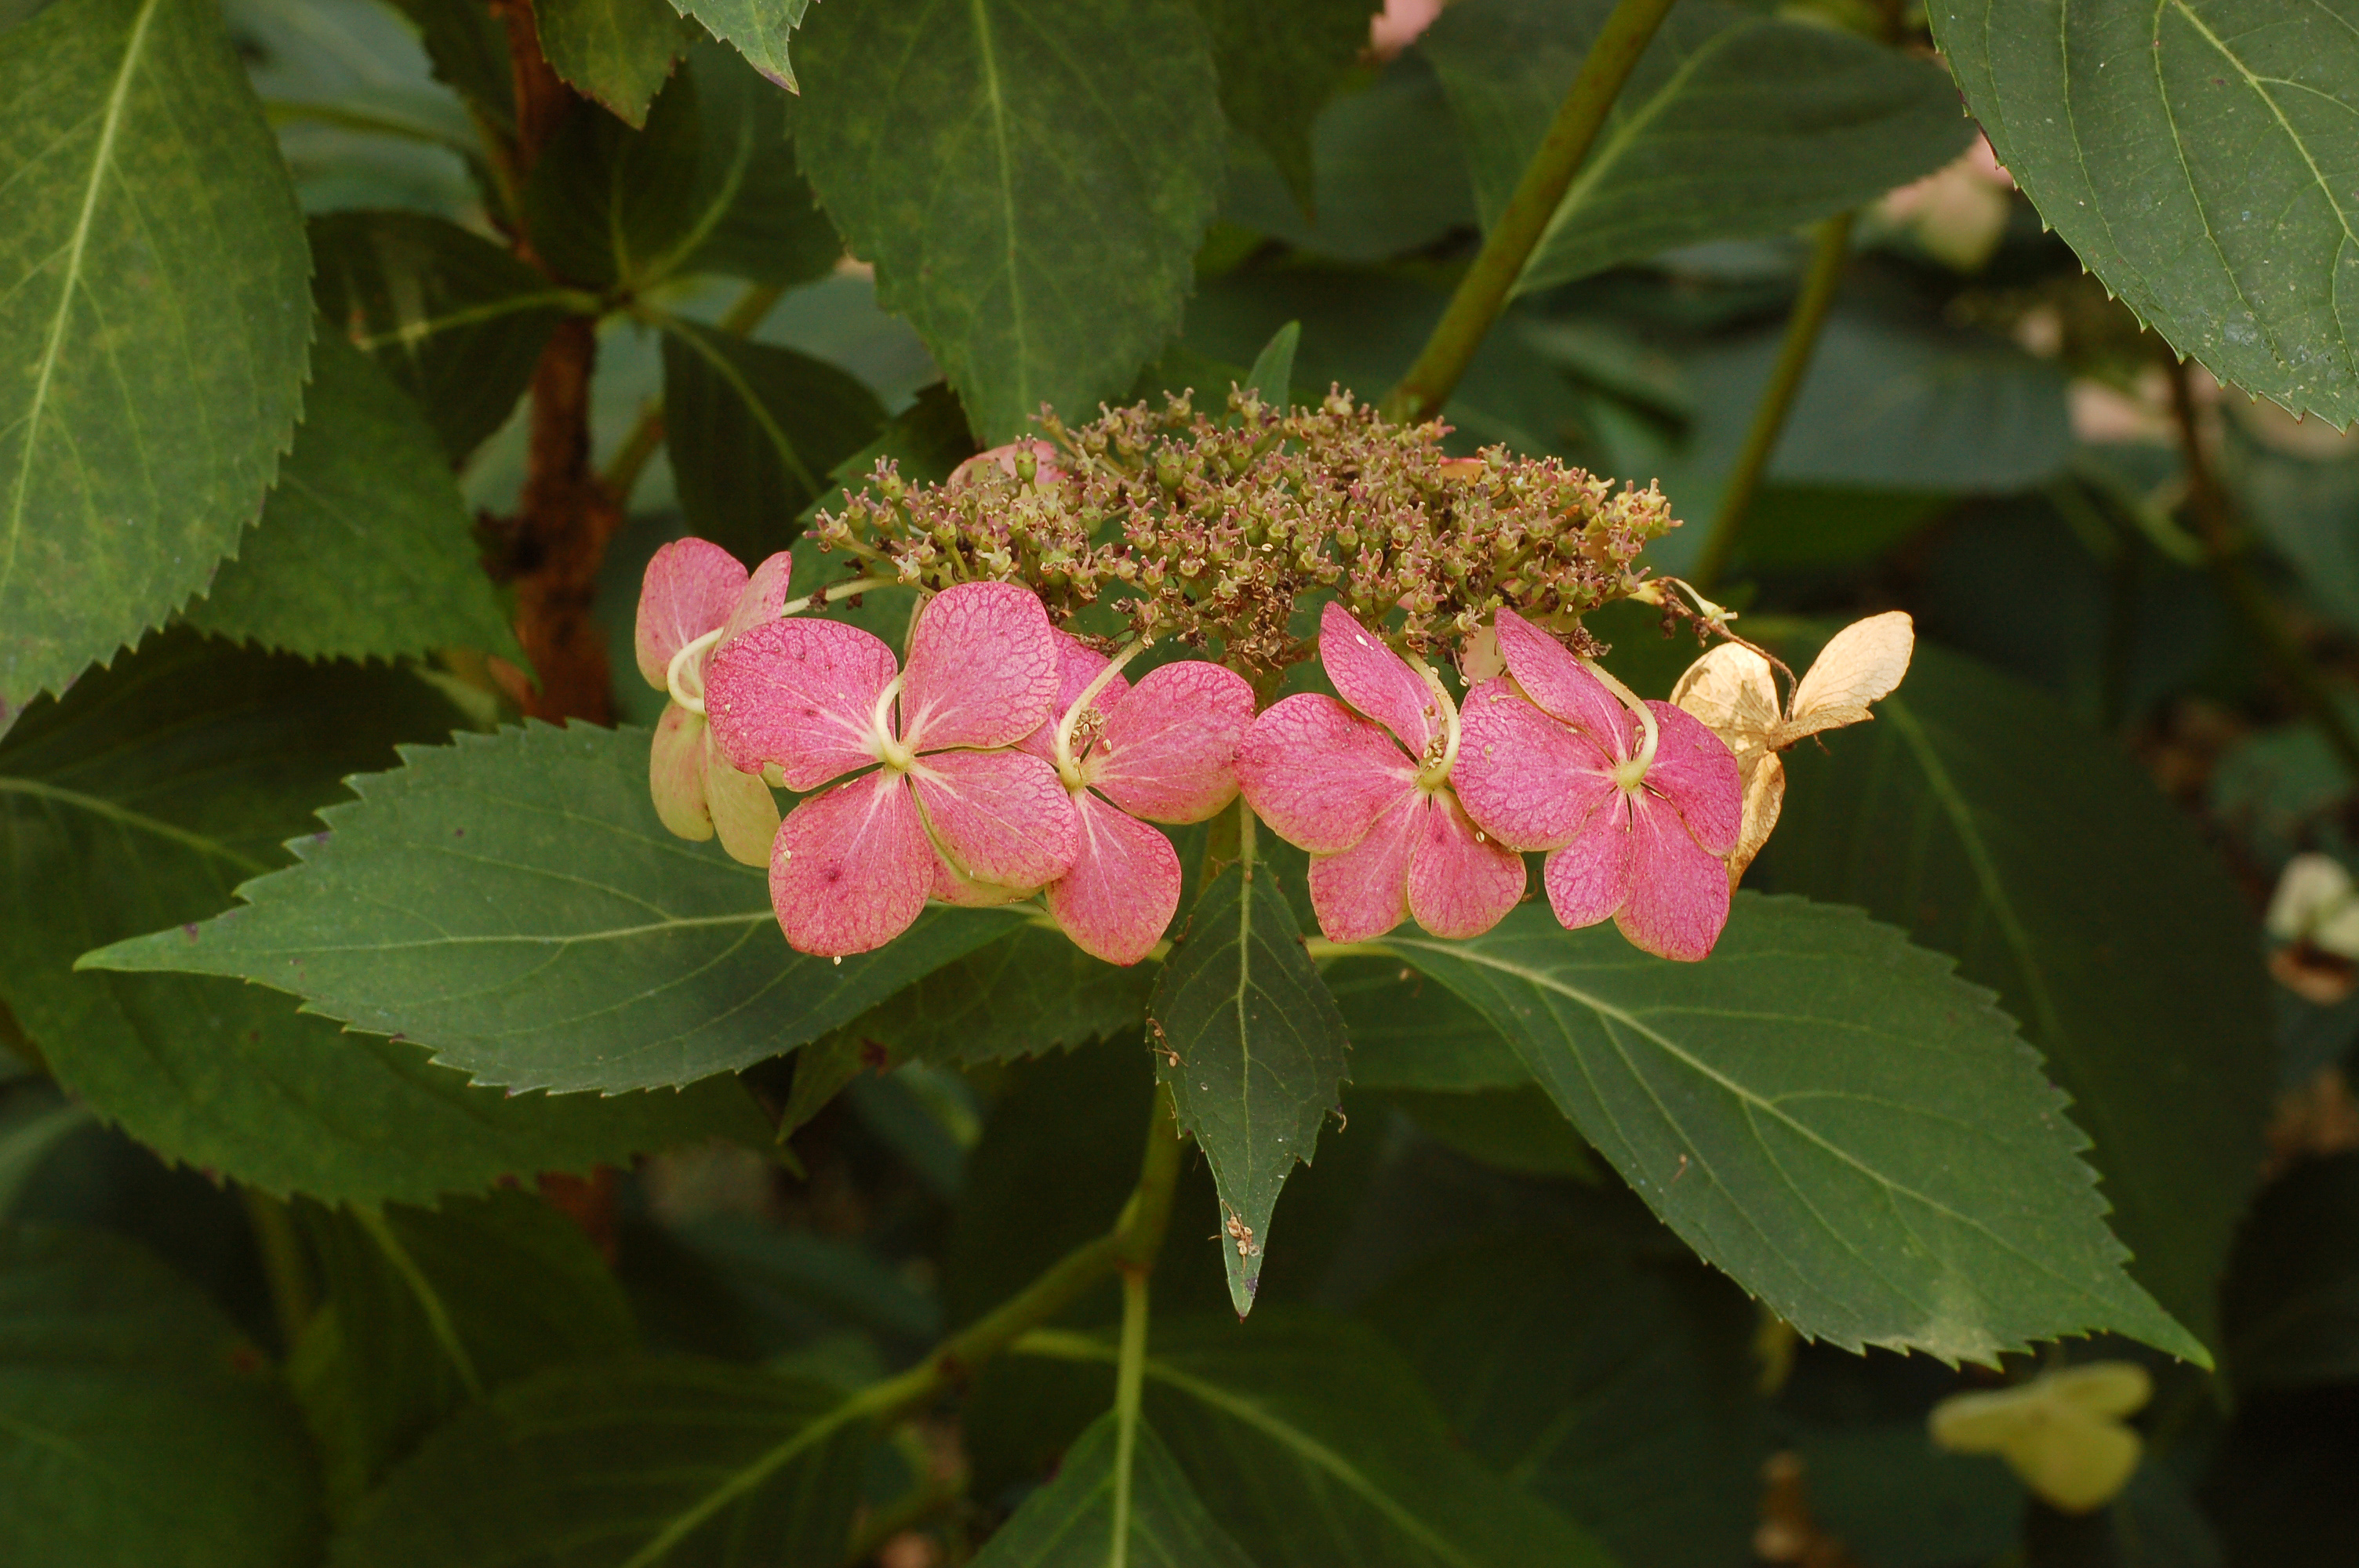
1483	293
1776	399
283	1266
1130	1384
630	459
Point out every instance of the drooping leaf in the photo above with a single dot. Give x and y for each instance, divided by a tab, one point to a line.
456	321
140	800
1735	124
1279	62
1253	1049
754	431
614	207
1074	1520
756	213
470	51
661	1464
152	321
2050	864
620	52
759	28
138	1426
1039	239
1827	1114
512	902
2198	159
365	549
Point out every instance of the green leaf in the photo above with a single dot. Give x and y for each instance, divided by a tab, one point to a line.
1252	1050
759	29
138	1426
1800	121
1407	1032
365	549
1039	238
1279	62
456	321
613	207
1272	376
2048	862
650	1464
2198	159
1827	1114
151	320
1028	993
620	52
468	49
1078	1521
512	902
753	432
138	801
2302	506
2289	1314
758	215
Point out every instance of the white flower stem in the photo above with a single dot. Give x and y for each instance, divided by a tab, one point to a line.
1638	765
1440	770
830	595
677	672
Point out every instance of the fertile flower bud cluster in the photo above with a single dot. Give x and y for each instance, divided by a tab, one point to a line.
1211	530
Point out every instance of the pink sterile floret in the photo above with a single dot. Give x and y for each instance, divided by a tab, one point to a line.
1044	457
1548	763
1372	797
938	787
1164	749
691	588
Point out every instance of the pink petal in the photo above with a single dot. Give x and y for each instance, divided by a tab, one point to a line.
982	669
1561	683
1588	879
743	811
954	886
1695	771
851	867
1077	664
689	590
1318	773
1679	897
1526	778
676	772
1363	891
1461	882
1119	898
1043	454
1170	753
999	817
764	592
800	694
1378	681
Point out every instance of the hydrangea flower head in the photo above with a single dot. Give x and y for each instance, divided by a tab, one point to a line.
1366	786
1164	750
933	798
691	589
1637	817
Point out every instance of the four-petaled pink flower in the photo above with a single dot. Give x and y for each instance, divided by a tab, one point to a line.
939	788
1371	798
1551	761
691	589
1165	750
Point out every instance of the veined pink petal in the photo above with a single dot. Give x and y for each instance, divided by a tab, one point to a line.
764	592
799	693
1375	680
1363	892
1552	677
1318	773
851	867
954	886
1679	894
1588	879
982	669
999	817
743	811
1461	882
1528	779
1077	664
689	590
1170	753
676	772
1119	898
1695	771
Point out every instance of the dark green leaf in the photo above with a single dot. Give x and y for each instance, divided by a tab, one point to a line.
2048	862
754	431
2199	161
1029	992
1272	376
470	51
759	29
138	1426
1517	1129
512	902
620	52
1253	1049
1279	62
2289	1314
1407	1032
671	1463
456	321
1073	1521
926	442
1038	239
1827	1114
365	549
140	801
2304	507
610	207
758	218
1800	121
151	320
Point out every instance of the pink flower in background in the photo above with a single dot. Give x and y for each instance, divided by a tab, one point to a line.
937	786
1164	750
1044	456
691	588
1372	797
1551	760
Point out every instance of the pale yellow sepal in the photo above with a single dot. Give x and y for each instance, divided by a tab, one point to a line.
2315	902
742	808
676	773
2061	1433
